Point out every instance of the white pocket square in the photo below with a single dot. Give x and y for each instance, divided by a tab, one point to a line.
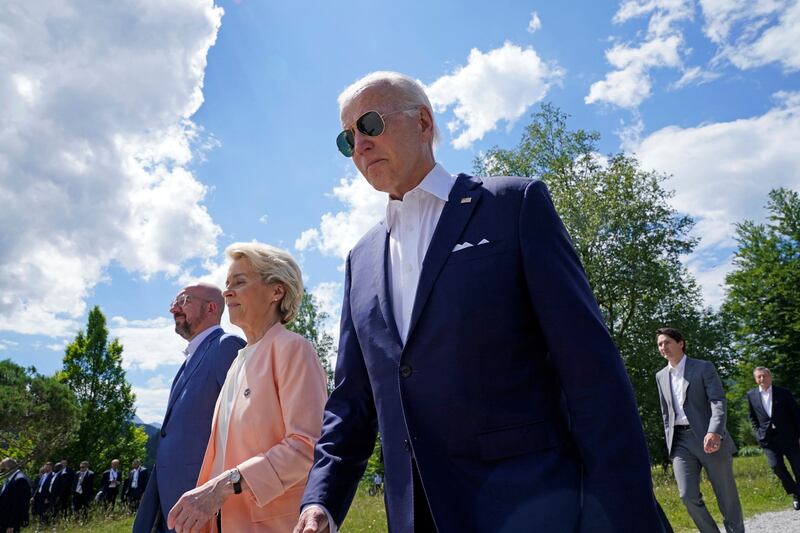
483	241
461	246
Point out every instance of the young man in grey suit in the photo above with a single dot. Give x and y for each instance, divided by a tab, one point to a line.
197	311
694	411
776	420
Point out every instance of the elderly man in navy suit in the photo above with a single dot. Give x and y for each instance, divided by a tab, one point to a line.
15	493
197	311
775	417
471	340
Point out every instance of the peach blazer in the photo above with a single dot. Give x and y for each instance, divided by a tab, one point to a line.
274	424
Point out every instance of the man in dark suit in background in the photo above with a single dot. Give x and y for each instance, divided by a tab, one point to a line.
111	483
41	492
15	494
471	339
694	410
83	489
775	417
54	492
66	481
197	310
134	485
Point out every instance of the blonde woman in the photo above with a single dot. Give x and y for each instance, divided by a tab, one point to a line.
269	411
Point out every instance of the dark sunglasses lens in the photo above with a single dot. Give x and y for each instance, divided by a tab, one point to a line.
345	144
370	123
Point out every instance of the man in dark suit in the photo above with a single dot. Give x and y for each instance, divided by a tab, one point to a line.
54	492
693	407
197	311
83	490
15	494
111	482
135	484
471	339
41	492
66	481
775	417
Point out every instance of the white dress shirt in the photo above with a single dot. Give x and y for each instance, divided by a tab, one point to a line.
766	400
79	483
196	341
135	479
678	385
411	223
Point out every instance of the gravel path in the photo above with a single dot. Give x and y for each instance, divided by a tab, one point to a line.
777	522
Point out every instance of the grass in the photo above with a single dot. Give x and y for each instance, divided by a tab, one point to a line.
759	491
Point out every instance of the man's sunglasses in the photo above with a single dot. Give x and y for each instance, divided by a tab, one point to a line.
370	124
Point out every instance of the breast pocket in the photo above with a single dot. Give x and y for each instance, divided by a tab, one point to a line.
477	251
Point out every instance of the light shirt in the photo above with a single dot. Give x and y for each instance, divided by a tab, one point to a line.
233	381
79	484
197	340
112	478
135	478
766	400
678	385
41	481
411	223
53	479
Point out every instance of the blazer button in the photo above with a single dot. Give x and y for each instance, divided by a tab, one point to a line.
405	371
163	433
407	445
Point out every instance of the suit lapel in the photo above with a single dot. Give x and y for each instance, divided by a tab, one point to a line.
380	248
758	405
455	215
191	367
688	374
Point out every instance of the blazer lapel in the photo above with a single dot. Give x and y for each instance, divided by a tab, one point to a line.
688	374
191	367
455	215
380	248
758	405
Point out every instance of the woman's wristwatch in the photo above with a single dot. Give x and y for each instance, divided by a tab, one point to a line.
235	479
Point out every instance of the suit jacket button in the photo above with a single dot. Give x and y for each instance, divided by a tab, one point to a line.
163	433
407	445
405	371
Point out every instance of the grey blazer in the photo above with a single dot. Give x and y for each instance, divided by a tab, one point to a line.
705	404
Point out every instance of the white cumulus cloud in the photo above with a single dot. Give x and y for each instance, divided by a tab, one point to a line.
339	232
95	146
535	24
499	85
722	172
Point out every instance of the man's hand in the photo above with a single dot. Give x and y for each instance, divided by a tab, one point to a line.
313	520
712	443
198	506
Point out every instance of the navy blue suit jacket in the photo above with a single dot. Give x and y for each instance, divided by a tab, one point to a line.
509	392
186	427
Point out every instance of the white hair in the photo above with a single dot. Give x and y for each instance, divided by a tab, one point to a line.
407	92
274	266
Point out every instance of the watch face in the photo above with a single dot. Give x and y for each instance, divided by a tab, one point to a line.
234	476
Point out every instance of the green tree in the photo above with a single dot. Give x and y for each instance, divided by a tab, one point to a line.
309	322
93	370
762	303
38	414
630	242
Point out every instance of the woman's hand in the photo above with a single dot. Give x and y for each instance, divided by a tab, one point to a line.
199	506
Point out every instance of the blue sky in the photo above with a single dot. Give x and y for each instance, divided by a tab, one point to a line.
139	138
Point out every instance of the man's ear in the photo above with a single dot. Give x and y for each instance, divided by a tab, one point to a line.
426	124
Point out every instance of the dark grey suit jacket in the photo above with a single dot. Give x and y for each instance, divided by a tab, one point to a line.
704	404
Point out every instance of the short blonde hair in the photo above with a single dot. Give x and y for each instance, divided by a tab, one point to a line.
274	266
